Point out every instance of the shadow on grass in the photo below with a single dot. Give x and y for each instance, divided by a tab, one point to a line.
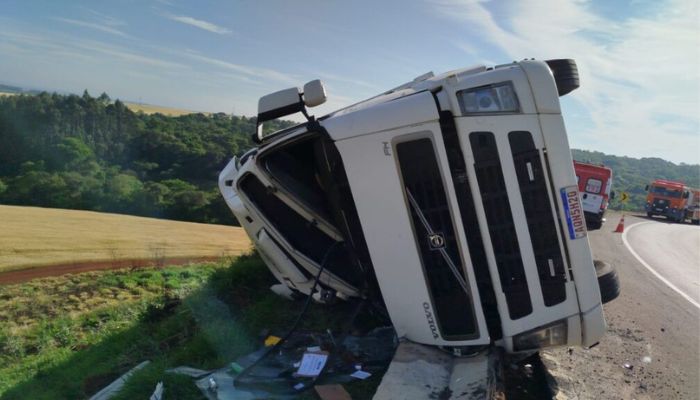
208	328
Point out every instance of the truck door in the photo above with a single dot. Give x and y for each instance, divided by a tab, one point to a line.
507	166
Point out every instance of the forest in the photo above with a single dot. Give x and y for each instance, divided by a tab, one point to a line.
93	153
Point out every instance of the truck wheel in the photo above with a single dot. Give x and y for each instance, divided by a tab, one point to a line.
650	215
695	221
565	75
608	281
593	225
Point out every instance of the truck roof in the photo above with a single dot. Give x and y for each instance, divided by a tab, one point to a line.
599	169
427	81
672	184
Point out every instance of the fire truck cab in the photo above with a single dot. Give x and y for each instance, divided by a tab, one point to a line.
595	187
452	198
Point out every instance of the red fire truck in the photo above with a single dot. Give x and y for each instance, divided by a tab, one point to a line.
595	187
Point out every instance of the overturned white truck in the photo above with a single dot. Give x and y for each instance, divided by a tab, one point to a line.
452	198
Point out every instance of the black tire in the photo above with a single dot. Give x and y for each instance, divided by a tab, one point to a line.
608	282
565	75
650	215
592	225
695	221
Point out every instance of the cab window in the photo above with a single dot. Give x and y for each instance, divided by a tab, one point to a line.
593	185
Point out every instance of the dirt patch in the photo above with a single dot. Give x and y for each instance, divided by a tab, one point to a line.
24	275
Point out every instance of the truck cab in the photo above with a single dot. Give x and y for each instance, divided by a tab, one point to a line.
451	200
668	199
595	186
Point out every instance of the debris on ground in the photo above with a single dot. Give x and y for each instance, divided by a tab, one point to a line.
158	393
332	392
110	390
301	362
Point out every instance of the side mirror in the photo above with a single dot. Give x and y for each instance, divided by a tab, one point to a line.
276	105
287	102
314	93
686	195
612	194
646	188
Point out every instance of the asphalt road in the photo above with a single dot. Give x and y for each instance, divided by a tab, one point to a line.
671	252
652	347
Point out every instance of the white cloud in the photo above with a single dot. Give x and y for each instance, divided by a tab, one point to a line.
256	72
207	26
91	25
640	76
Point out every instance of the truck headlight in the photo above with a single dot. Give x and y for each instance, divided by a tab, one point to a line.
554	334
496	98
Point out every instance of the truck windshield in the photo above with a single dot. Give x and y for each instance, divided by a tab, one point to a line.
662	191
295	167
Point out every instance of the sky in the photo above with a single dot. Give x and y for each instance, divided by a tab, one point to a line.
639	61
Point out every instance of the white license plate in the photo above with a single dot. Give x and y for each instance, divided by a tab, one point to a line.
575	220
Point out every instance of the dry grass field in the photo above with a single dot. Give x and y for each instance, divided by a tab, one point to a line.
151	109
36	237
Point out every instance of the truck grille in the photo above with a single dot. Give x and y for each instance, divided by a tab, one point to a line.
540	222
504	239
465	202
424	185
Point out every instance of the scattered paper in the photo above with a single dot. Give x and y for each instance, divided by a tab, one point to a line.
312	364
361	374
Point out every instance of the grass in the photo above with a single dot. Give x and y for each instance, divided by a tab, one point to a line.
151	109
69	336
35	237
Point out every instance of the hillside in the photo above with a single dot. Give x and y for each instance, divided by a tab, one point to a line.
631	175
82	152
34	237
152	109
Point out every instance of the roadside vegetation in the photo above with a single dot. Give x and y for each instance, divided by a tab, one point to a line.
34	237
87	153
69	336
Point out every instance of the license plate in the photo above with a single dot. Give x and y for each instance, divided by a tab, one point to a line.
575	220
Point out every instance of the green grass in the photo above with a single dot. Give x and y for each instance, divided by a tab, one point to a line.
70	336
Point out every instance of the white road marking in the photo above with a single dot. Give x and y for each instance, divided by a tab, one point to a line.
647	266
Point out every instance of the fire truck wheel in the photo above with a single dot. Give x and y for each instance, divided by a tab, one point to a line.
607	281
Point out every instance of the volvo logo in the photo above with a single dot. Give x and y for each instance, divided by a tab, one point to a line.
436	240
431	320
